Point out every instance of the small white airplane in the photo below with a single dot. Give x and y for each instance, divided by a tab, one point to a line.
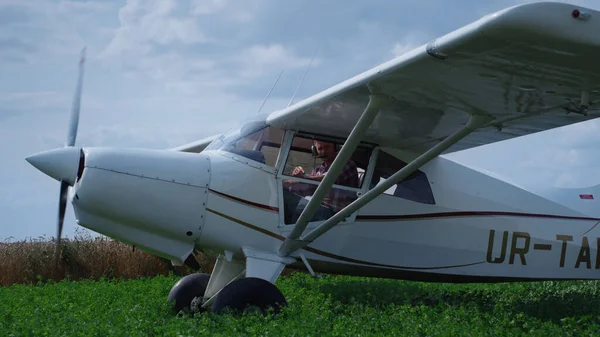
390	204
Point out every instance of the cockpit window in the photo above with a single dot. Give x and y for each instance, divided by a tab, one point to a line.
260	145
415	187
301	155
308	161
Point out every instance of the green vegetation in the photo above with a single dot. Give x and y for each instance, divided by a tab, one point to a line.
104	288
333	305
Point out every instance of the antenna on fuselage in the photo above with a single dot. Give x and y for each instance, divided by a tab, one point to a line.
302	79
268	94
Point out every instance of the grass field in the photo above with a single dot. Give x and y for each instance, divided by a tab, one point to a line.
105	288
333	305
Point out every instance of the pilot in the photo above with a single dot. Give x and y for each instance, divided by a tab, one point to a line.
327	151
336	199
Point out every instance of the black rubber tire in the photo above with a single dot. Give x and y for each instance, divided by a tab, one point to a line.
249	292
188	287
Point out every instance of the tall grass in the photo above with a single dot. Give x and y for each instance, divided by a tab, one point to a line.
83	257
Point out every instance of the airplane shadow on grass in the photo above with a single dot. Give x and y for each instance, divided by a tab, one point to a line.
553	303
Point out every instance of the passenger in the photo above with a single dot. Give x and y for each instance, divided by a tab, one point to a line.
336	199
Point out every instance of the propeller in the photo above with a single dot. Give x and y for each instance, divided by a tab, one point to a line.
71	137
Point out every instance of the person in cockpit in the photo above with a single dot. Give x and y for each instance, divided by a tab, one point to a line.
336	199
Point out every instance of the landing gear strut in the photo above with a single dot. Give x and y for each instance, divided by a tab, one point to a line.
231	287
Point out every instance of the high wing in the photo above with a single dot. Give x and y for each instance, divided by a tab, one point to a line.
523	66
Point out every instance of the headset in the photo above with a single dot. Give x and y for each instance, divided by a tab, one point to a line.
313	148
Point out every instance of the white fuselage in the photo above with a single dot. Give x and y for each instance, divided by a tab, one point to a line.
479	229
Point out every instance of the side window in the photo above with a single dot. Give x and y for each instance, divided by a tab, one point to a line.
301	155
414	187
304	170
261	146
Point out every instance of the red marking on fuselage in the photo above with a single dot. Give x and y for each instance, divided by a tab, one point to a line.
267	207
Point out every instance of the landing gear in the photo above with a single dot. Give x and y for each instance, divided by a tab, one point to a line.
249	292
185	290
239	295
235	285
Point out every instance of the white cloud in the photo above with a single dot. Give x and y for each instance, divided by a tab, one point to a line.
144	23
259	59
55	28
400	49
171	42
172	66
127	136
409	42
204	7
42	97
69	7
31	103
237	11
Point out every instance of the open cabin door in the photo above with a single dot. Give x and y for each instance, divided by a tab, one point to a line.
300	150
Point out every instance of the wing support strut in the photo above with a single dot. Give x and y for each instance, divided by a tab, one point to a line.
292	244
363	123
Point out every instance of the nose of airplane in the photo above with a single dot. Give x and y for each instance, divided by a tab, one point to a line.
61	164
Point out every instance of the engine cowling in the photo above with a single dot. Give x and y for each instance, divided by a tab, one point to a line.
153	199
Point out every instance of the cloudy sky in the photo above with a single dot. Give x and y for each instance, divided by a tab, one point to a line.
163	73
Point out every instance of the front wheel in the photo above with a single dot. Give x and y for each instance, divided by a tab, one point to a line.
249	292
186	289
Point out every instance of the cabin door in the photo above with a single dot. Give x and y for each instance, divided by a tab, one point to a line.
304	160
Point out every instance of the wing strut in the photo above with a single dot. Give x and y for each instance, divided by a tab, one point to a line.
292	243
375	102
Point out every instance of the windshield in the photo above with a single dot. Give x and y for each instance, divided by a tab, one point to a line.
254	141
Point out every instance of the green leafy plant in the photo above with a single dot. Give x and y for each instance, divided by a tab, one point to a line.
331	306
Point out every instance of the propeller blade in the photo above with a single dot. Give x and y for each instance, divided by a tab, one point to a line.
74	122
71	137
62	206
